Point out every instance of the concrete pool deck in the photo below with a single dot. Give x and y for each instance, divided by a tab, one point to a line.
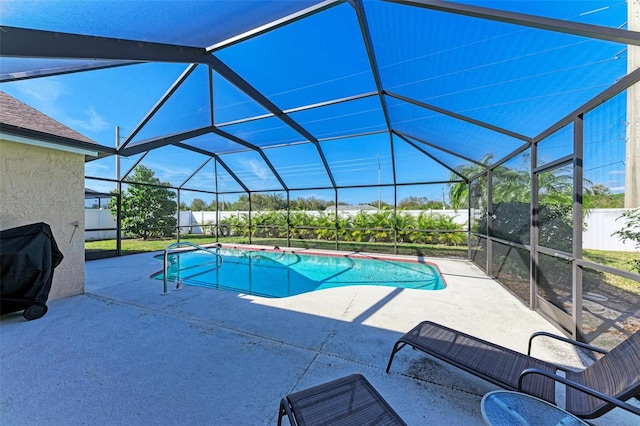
124	354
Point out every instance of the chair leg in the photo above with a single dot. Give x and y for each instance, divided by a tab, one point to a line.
399	345
281	412
285	410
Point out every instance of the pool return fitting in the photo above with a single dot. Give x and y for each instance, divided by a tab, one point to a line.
168	251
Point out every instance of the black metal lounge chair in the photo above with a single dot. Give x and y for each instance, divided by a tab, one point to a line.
350	400
607	383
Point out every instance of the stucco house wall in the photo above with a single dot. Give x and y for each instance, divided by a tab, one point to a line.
42	180
39	184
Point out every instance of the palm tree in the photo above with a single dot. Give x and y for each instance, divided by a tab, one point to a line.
406	225
360	231
452	237
459	192
344	223
556	186
382	224
299	225
269	224
426	223
326	226
511	185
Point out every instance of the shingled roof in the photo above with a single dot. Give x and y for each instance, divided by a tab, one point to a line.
18	116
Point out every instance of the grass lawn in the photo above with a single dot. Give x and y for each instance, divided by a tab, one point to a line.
133	246
616	259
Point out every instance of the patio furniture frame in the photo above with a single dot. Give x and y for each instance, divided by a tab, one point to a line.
350	400
590	393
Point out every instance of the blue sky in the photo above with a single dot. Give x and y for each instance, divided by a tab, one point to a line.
517	78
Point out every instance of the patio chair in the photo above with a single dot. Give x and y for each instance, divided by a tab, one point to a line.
346	401
607	383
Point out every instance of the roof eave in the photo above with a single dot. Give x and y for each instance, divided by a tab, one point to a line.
34	137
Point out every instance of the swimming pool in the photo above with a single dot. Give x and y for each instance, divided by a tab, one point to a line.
282	274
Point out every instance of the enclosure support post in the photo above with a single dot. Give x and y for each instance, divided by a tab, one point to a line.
469	217
215	180
533	254
178	216
489	230
395	219
119	200
249	221
578	192
632	162
288	218
337	222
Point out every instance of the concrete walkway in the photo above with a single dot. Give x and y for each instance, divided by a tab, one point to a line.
122	354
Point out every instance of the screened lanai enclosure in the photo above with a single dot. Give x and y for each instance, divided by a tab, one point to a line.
490	130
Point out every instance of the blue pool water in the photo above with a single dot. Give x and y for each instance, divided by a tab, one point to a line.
278	274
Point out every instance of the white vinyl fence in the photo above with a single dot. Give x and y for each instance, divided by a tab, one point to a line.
99	219
600	224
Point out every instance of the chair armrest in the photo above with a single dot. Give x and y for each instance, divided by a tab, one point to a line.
580	387
564	339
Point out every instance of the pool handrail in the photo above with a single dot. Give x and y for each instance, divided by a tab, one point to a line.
178	244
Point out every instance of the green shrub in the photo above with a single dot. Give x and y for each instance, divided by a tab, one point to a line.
631	232
364	227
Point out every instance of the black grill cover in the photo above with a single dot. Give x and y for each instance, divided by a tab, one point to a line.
28	256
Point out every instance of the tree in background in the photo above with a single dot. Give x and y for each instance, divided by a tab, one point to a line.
197	205
600	197
380	203
310	203
420	203
148	209
219	205
275	201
